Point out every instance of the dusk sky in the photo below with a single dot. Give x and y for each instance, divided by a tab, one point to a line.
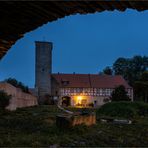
81	44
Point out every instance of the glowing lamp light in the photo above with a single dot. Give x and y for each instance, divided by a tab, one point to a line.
79	98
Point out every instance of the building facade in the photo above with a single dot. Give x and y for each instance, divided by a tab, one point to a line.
88	89
72	89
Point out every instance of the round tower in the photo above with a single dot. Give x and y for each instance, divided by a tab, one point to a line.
43	69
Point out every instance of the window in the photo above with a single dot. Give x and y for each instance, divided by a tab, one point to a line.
95	92
100	92
75	90
65	82
128	92
78	90
103	92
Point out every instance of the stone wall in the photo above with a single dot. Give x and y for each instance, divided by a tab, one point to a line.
43	69
19	99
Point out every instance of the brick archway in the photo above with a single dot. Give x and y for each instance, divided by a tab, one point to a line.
18	17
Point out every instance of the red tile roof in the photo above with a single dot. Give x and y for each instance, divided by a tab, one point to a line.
90	80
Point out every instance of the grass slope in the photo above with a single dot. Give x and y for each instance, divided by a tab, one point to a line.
35	127
123	109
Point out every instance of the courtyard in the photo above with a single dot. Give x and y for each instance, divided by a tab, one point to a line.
35	127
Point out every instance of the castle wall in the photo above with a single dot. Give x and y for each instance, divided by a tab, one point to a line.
19	99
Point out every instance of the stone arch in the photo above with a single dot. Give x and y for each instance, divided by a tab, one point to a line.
18	17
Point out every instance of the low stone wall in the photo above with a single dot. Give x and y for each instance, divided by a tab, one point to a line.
88	120
67	120
19	98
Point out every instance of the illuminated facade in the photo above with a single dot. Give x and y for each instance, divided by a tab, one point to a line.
87	89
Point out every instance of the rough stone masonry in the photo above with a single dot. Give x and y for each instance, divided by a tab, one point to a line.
43	69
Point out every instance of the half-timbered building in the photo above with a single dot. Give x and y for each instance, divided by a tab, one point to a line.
87	89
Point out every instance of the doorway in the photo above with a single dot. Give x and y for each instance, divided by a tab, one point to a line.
66	101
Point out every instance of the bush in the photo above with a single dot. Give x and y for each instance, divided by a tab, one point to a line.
106	100
18	84
123	109
119	94
4	99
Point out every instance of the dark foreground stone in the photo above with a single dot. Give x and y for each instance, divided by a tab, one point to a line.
66	121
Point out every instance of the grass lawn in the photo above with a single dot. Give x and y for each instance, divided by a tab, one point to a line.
35	127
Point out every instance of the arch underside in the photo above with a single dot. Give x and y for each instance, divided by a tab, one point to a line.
19	17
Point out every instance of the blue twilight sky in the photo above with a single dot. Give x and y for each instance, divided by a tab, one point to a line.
82	44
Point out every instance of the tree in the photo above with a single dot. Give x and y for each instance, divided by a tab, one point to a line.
4	99
120	66
132	68
108	71
119	94
141	87
18	84
12	81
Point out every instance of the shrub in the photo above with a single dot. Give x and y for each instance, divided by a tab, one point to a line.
123	109
106	100
119	94
4	99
